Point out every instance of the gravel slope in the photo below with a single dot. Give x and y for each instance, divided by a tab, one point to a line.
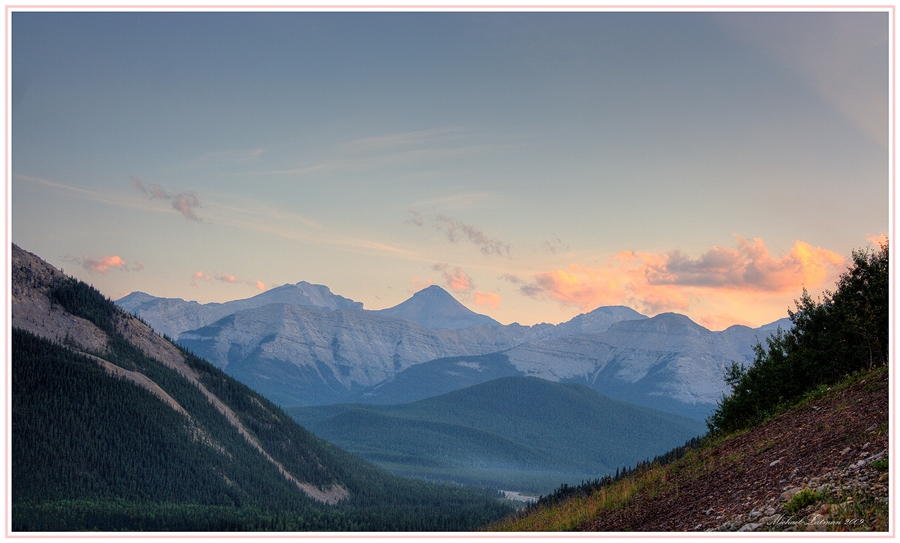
829	446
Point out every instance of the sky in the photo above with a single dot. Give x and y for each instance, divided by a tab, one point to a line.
536	165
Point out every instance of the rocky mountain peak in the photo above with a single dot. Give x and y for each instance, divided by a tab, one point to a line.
434	307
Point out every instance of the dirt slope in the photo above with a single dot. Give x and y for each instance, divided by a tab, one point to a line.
830	446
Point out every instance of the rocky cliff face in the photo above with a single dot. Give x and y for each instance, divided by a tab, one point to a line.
302	356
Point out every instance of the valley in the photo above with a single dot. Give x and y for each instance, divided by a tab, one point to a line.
522	433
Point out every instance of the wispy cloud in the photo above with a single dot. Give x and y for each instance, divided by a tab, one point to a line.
554	245
457	230
226	158
78	192
388	150
226	278
407	139
512	278
183	202
466	199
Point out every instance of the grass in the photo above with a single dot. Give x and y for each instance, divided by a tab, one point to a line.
578	510
802	499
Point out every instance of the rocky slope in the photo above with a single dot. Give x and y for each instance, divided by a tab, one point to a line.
830	446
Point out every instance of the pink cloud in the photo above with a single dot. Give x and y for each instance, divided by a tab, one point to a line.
877	239
104	263
489	299
674	281
261	286
748	267
418	284
455	278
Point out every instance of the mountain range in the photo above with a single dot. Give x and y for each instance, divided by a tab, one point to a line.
302	345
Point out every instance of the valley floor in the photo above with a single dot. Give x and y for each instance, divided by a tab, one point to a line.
832	451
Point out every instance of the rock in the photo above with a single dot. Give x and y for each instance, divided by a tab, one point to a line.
775	463
770	511
749	527
790	493
845	451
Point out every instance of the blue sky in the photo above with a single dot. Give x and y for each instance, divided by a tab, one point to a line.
536	165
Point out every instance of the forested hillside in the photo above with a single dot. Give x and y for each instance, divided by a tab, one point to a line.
115	429
518	433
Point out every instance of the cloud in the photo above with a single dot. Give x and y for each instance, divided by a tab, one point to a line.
418	284
514	279
416	219
554	245
457	230
748	267
261	286
489	299
104	264
183	202
225	278
675	281
877	239
138	265
455	278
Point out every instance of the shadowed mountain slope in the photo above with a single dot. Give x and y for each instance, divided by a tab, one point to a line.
115	428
